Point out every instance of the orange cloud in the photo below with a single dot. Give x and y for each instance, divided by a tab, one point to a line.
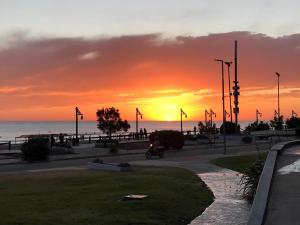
44	79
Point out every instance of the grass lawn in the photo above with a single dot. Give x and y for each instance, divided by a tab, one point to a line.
176	196
238	163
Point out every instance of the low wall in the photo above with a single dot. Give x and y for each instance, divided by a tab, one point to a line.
260	202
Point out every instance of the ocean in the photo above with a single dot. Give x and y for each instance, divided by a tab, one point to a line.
10	130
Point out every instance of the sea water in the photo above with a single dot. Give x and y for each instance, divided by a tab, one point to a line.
10	130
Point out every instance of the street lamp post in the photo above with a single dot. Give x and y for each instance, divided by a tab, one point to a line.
137	114
258	114
211	114
226	114
278	103
77	113
181	114
229	89
223	101
205	116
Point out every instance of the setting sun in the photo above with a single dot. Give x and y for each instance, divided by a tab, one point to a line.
167	108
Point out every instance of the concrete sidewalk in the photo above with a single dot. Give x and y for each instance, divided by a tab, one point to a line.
284	200
89	151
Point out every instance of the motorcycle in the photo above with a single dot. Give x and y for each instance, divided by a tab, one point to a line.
154	150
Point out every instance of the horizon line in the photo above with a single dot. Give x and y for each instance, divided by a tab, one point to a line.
127	120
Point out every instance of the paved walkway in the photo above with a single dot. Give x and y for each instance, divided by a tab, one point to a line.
228	207
284	202
89	151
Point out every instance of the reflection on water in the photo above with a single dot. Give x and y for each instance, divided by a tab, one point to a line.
228	207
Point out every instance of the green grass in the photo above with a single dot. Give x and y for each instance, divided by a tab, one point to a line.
176	196
238	163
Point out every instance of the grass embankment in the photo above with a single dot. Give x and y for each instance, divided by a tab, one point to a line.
238	163
176	196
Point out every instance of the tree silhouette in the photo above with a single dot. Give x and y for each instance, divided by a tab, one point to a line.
293	122
109	121
277	123
230	127
257	126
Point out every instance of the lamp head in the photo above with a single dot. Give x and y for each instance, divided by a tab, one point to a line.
219	60
278	74
228	63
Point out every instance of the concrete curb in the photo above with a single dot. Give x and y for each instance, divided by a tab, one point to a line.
260	202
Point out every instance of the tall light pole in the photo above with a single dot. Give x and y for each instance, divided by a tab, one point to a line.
205	116
278	103
229	88
276	113
258	114
211	114
77	113
223	101
226	114
137	114
181	114
236	87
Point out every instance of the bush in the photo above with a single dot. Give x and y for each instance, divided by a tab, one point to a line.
255	126
247	139
277	123
293	122
168	138
230	128
250	179
36	149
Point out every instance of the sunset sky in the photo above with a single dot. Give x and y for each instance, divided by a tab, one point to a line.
154	55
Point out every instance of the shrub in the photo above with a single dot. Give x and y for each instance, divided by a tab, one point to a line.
247	139
255	126
168	138
277	123
293	122
250	179
36	149
230	128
